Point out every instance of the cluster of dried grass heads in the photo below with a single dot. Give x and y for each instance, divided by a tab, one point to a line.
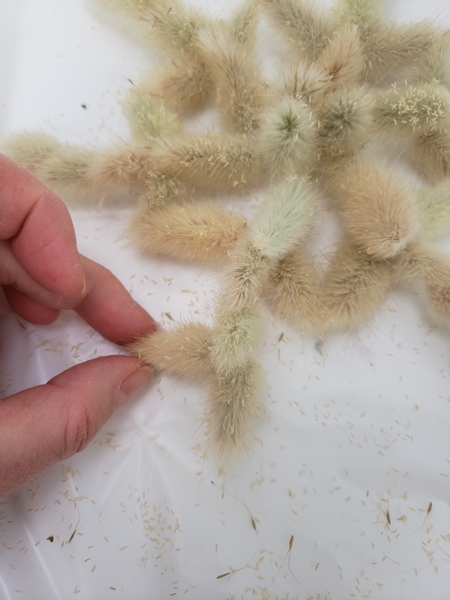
352	78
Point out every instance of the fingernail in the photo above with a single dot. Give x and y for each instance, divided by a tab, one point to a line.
133	384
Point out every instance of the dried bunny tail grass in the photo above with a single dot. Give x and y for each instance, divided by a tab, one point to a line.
439	302
294	291
203	233
149	116
168	24
425	265
240	90
305	27
161	189
287	139
213	161
378	210
342	59
434	63
233	407
284	218
305	82
354	285
182	352
344	124
243	24
411	110
244	276
125	166
185	85
421	262
431	154
434	208
359	12
176	30
235	336
67	167
390	47
60	166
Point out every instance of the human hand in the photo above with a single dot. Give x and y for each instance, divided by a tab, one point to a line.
42	273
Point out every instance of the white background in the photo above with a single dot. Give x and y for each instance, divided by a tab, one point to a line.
349	429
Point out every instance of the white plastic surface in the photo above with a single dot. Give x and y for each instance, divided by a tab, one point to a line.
351	431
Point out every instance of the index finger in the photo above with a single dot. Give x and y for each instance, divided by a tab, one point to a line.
40	230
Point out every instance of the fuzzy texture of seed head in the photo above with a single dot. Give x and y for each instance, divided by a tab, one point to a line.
200	232
359	12
60	166
211	162
354	286
431	154
182	352
434	207
421	262
294	291
244	276
304	81
243	24
284	218
423	265
287	138
433	65
238	83
148	115
378	210
342	59
301	23
390	47
185	85
235	335
344	124
412	110
66	167
233	407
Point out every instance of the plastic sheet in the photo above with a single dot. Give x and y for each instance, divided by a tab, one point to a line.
346	491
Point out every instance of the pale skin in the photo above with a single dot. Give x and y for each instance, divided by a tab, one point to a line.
42	273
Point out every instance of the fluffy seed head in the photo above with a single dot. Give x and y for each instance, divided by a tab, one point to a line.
233	406
183	352
390	47
344	124
148	116
413	109
284	218
359	12
244	276
301	23
378	211
239	86
212	162
434	207
203	233
293	291
431	153
235	336
304	81
354	286
288	137
342	59
184	84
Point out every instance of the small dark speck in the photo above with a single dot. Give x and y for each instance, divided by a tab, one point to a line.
50	538
84	106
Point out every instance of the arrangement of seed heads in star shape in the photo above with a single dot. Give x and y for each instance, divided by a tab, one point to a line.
349	79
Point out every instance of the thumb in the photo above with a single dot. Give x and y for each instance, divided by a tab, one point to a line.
49	423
